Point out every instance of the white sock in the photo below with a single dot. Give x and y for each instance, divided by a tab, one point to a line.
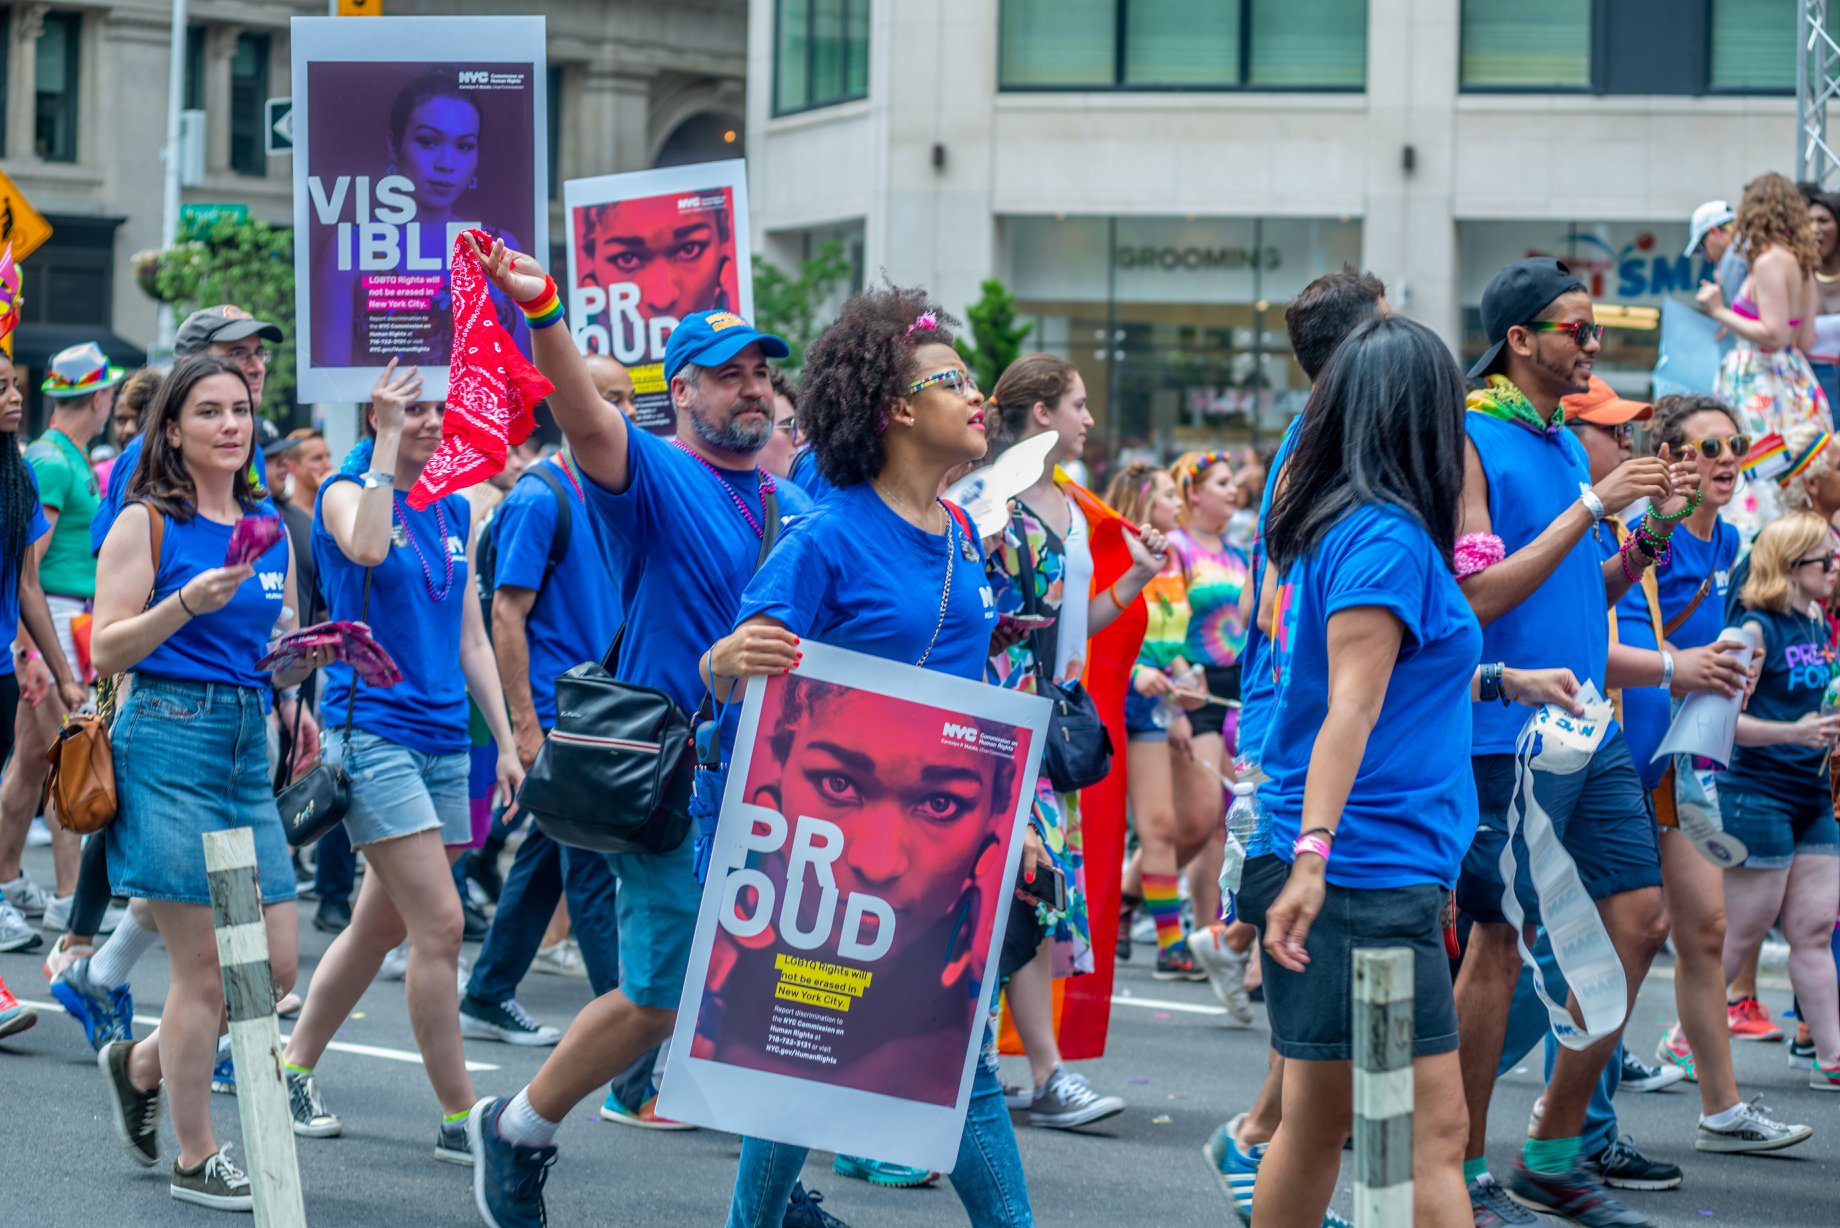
1718	1121
522	1126
111	966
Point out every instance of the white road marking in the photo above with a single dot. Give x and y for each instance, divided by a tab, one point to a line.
1163	1004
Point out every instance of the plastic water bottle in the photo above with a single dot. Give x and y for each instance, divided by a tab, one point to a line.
1247	819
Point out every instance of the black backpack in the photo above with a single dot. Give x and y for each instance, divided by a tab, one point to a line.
485	559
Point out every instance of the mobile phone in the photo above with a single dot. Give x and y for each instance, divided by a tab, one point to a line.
1049	887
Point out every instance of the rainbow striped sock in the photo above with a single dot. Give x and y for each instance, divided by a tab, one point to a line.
1165	904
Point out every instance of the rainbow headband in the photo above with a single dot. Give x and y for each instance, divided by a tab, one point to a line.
1206	462
1801	463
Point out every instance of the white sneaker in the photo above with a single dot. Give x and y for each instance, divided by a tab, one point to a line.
1225	968
463	971
57	913
395	964
25	895
16	933
1753	1130
563	959
38	836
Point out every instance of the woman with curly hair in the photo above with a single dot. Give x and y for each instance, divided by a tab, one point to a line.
1766	376
890	409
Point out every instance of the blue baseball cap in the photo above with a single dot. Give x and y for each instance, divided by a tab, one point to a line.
711	338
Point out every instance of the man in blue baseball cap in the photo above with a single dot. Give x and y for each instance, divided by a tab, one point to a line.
690	518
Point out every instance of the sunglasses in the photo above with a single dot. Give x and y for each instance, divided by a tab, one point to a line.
1825	560
790	426
1582	333
1622	432
962	382
1710	448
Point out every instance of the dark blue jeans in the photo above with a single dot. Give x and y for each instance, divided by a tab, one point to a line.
540	874
335	867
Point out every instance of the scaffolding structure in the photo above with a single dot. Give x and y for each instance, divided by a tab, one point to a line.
1817	84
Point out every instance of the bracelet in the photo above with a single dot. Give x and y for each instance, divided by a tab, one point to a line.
545	309
1490	685
1111	590
1667	670
180	594
1327	831
1681	514
1308	843
1592	504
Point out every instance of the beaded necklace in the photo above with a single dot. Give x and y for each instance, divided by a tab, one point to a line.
440	519
766	488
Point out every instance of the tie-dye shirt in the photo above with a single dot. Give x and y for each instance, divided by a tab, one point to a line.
1216	581
1166	636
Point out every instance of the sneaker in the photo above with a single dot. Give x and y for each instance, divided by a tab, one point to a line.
223	1075
1225	969
1125	909
65	952
463	972
395	964
1234	1169
882	1172
1174	963
289	1006
17	933
1673	1050
1623	1167
474	922
1492	1208
451	1145
1639	1076
1067	1100
1801	1049
645	1116
506	1022
25	895
1018	1098
563	959
803	1211
507	1179
137	1113
107	1015
1750	1020
217	1183
332	916
1822	1077
15	1016
482	872
311	1120
1577	1196
1754	1130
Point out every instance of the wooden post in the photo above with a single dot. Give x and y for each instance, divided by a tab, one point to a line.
255	1037
1383	1088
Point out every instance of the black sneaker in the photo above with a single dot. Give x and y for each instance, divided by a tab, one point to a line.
217	1183
803	1211
1639	1076
483	871
1177	964
451	1145
1623	1167
1801	1052
311	1120
1127	909
475	922
1576	1196
332	916
507	1179
137	1113
505	1021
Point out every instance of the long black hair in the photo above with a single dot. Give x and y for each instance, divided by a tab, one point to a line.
1385	425
18	498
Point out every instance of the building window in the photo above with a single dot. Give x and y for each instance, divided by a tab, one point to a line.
553	104
248	105
1183	44
820	53
6	65
194	68
55	63
1661	47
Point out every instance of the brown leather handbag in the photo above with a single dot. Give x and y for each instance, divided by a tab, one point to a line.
82	782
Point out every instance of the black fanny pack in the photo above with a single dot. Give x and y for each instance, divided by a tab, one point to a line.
1078	753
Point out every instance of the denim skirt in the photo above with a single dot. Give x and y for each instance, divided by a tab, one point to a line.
191	758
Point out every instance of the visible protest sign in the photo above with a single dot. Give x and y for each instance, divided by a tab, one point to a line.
407	130
845	955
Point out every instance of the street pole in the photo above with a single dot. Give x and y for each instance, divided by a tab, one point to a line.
169	213
1382	1087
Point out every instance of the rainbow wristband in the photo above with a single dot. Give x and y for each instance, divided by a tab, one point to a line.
546	309
1310	843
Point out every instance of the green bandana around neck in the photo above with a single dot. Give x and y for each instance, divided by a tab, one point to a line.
1503	401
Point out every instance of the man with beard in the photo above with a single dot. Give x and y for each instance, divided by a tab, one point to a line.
1527	481
687	516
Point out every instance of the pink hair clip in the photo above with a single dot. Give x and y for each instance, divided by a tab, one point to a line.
927	319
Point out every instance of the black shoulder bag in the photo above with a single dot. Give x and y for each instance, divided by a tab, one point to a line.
615	773
317	802
1078	753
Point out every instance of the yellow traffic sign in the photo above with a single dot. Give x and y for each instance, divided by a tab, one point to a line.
20	224
360	8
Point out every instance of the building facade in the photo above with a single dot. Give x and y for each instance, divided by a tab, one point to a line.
1155	179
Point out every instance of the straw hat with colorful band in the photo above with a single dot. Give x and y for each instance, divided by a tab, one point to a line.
1798	465
79	371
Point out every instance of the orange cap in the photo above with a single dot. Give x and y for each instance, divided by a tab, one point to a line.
1600	406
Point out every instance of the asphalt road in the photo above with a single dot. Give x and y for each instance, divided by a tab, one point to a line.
1180	1065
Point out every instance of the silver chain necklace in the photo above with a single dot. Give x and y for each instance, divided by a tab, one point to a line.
945	591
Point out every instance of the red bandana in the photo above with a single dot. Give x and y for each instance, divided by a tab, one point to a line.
492	389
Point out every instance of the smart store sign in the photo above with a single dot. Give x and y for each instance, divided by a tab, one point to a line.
1618	262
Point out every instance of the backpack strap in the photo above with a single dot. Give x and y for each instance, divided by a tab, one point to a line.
565	515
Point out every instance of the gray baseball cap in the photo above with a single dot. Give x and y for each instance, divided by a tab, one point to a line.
223	322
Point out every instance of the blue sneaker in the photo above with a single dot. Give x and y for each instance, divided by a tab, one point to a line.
223	1075
1237	1170
507	1179
107	1015
803	1211
882	1172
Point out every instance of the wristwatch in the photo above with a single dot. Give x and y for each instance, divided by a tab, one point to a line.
374	478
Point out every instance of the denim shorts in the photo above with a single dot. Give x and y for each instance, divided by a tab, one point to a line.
191	758
1139	722
1312	1012
1777	832
1259	883
656	908
396	791
1602	816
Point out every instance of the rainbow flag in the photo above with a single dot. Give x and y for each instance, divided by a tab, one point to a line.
1768	457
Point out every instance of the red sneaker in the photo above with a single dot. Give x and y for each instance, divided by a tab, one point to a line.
1750	1021
14	1016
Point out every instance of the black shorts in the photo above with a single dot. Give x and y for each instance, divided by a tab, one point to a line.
1222	683
1312	1012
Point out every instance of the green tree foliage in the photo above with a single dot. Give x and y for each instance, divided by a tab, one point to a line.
996	337
791	305
249	263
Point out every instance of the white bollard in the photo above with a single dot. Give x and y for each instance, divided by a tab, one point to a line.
255	1037
1383	1088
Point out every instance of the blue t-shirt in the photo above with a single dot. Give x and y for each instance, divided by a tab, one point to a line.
577	611
1533	478
1648	710
426	711
222	646
1412	810
1797	666
687	553
806	476
119	476
1255	686
9	582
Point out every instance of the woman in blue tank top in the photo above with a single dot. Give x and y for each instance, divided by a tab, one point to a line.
404	572
190	743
